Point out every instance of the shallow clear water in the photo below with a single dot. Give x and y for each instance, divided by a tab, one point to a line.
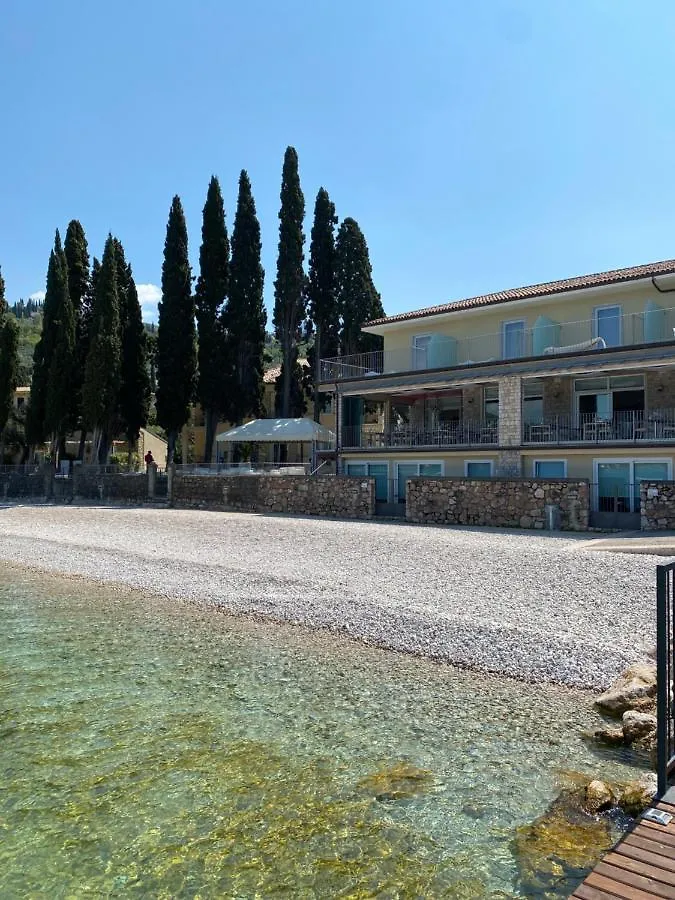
155	749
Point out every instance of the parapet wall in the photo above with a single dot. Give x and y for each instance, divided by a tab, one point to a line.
500	502
338	496
657	505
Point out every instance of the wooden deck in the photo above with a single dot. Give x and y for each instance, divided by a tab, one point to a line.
640	867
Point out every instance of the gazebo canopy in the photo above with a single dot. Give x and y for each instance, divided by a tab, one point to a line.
278	431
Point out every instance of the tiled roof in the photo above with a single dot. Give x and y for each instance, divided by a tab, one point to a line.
615	276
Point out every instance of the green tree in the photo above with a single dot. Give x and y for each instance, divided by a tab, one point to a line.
134	387
289	287
322	308
210	297
9	362
244	316
59	399
176	337
357	299
103	366
79	288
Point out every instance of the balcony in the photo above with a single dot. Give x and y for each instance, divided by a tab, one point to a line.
628	427
545	339
464	433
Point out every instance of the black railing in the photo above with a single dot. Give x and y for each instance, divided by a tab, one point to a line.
463	433
665	646
625	426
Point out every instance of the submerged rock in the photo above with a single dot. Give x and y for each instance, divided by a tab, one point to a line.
554	851
633	689
401	781
609	734
638	795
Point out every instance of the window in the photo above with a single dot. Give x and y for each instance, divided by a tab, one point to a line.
420	351
533	402
513	339
378	471
549	468
478	468
491	404
607	320
404	471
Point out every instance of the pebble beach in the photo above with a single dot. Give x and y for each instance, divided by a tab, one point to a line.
536	607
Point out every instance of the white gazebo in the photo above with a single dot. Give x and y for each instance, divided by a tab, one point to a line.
280	431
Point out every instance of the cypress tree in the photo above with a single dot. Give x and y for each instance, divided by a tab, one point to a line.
59	398
103	366
134	387
36	427
79	288
322	307
245	316
9	361
210	296
176	337
289	287
357	299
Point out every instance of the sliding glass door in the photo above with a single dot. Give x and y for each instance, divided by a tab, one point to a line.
617	482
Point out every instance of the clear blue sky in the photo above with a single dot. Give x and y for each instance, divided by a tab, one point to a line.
480	145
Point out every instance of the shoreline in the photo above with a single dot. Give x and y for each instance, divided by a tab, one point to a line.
262	569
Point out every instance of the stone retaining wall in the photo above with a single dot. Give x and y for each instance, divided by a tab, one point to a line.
115	486
339	496
657	505
24	486
500	502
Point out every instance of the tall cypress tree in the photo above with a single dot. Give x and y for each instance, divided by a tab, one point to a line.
322	309
103	366
79	288
9	361
36	427
134	387
59	399
289	287
210	297
176	337
357	299
245	316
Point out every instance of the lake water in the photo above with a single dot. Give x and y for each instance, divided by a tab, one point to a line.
155	749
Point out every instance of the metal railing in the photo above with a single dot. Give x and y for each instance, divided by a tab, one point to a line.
466	433
550	339
665	647
629	426
244	468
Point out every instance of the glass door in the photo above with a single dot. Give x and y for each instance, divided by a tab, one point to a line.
405	471
647	471
513	340
614	487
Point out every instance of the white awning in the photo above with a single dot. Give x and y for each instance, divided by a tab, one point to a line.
281	431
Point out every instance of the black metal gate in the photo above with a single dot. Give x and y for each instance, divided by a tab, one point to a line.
665	647
161	485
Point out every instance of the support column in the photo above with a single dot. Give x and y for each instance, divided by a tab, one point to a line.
509	462
152	477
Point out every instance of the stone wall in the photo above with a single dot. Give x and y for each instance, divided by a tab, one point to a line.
25	485
339	496
500	502
88	484
657	505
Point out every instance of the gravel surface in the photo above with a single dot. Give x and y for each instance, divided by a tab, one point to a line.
532	606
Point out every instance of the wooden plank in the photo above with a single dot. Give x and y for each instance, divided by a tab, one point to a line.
641	882
657	832
616	888
634	844
666	807
586	892
641	866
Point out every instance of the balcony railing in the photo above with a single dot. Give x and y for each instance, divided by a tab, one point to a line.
547	339
632	426
465	433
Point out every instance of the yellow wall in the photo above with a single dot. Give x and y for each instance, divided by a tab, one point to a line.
563	308
453	463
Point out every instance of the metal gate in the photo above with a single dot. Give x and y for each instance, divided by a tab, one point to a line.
161	485
665	647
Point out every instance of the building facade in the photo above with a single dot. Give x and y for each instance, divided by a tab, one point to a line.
573	378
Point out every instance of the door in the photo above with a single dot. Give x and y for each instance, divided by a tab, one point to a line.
608	325
647	471
513	340
613	487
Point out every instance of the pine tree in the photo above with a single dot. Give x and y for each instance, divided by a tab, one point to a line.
134	387
59	403
357	299
103	366
322	309
79	288
289	287
9	360
245	316
176	337
210	297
